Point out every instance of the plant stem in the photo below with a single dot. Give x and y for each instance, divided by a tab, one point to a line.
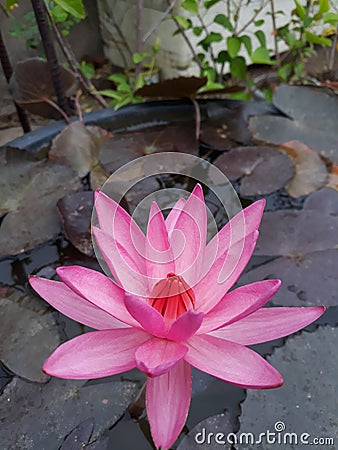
274	26
137	407
213	59
333	51
139	35
71	59
252	19
8	71
47	42
123	39
157	25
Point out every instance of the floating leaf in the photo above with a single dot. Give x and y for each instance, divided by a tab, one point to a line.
307	402
307	241
124	148
28	334
36	93
311	120
203	435
310	170
181	87
76	213
45	413
78	146
79	437
33	218
262	169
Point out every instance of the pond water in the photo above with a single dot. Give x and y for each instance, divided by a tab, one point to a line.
218	405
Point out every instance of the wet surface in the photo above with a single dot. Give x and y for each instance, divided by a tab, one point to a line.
298	244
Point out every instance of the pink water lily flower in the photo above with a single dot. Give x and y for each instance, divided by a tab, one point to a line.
170	307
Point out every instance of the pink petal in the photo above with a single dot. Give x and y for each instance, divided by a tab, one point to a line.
231	362
98	289
210	290
192	223
121	264
159	256
168	400
242	224
117	223
185	326
96	354
268	324
174	214
72	305
147	316
239	303
158	356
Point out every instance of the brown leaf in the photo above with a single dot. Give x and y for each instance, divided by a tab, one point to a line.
181	87
310	170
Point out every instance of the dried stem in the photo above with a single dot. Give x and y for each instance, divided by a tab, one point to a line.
139	35
72	61
8	71
137	407
47	42
197	117
57	108
274	26
252	19
157	25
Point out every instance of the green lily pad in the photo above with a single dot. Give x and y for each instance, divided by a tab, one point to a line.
306	403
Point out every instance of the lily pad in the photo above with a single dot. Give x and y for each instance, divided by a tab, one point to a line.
39	416
211	434
310	174
124	148
33	218
311	120
306	403
76	213
263	169
36	93
307	243
28	334
80	436
78	146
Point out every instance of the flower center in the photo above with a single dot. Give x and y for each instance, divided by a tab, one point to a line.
172	297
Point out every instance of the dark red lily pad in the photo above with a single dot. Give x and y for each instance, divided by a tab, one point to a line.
31	204
307	243
76	213
203	435
306	404
78	146
262	169
124	148
32	86
39	416
312	114
28	334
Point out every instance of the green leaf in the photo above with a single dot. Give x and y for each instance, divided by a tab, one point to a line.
324	6
300	10
223	57
139	57
247	43
183	22
233	46
285	71
209	39
87	69
238	67
258	23
314	39
11	4
223	20
74	7
261	37
59	14
190	6
118	78
197	31
261	56
209	3
330	17
110	93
